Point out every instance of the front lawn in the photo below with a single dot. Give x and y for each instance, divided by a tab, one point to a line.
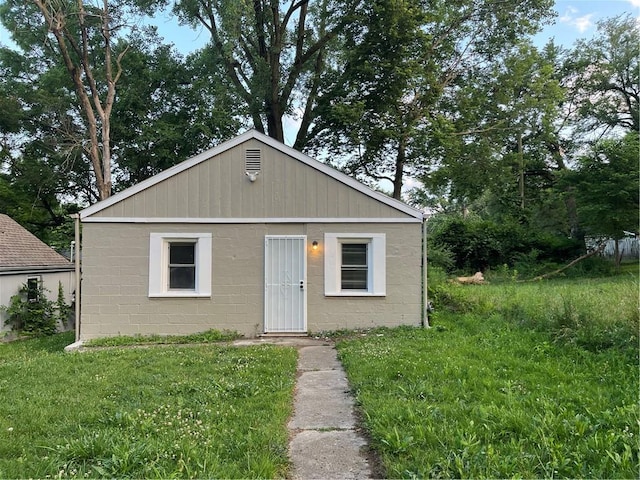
502	389
159	412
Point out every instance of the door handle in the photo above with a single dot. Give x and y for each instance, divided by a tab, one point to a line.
301	284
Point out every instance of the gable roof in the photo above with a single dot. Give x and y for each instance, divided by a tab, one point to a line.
229	144
21	250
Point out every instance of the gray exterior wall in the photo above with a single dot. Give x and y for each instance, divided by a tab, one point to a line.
115	280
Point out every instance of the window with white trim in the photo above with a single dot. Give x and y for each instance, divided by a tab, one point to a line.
180	265
355	264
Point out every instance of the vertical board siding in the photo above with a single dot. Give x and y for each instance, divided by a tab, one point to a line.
219	188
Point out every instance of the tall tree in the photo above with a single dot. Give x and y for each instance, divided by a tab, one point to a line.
402	60
497	132
272	52
606	187
81	34
603	76
165	111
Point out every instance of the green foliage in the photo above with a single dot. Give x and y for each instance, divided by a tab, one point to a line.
605	186
63	310
477	244
209	336
36	316
483	396
606	74
172	412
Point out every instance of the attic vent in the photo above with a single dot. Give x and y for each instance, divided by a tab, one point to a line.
252	160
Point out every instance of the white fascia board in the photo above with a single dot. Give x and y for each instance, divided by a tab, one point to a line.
249	135
220	220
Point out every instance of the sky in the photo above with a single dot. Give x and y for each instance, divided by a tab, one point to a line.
578	19
575	19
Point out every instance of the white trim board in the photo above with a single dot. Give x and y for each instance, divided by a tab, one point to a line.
229	144
193	220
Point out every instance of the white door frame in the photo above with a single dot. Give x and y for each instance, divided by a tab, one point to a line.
285	284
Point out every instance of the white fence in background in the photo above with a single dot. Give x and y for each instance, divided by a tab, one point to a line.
629	247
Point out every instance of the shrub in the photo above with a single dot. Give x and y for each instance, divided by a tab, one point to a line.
35	316
476	244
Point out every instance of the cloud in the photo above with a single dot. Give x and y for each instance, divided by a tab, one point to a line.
634	3
582	23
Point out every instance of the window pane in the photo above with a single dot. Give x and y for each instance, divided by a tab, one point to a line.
354	278
32	289
354	254
354	271
182	277
182	253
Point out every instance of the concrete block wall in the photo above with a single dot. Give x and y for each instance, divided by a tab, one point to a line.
115	280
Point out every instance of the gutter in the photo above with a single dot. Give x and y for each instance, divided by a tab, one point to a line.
36	269
76	259
424	315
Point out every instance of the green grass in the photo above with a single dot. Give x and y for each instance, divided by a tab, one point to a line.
486	393
209	336
202	411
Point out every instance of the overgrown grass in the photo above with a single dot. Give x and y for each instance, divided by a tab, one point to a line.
209	336
495	390
203	411
593	313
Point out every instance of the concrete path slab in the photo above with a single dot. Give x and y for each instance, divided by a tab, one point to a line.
322	401
329	455
324	442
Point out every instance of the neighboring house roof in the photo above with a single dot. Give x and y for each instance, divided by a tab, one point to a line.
397	205
20	250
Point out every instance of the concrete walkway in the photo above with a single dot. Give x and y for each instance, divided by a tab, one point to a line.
324	442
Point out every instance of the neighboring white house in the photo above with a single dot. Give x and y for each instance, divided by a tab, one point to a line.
25	260
251	236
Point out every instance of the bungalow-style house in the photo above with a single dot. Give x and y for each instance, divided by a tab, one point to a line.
25	260
251	236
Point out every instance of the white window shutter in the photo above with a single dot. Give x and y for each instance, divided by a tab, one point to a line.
378	244
156	262
203	268
331	264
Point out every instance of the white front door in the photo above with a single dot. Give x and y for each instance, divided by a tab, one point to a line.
285	284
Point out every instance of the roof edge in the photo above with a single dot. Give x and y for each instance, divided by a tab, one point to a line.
33	269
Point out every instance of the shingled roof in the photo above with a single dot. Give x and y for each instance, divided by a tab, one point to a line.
21	250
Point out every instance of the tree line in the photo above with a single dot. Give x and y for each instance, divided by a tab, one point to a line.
447	105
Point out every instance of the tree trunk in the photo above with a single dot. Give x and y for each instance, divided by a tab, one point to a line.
75	53
274	121
571	264
399	167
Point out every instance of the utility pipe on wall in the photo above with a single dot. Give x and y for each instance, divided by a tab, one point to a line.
425	298
76	218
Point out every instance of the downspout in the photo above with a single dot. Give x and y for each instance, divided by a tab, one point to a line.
76	217
425	298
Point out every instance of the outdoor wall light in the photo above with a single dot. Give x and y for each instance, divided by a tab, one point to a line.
314	245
